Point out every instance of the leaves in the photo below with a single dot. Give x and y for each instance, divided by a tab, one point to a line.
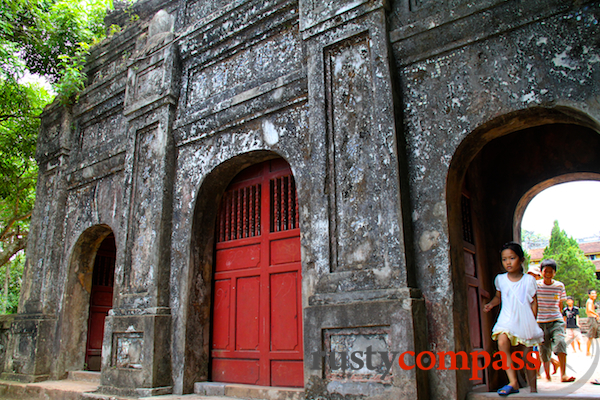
50	38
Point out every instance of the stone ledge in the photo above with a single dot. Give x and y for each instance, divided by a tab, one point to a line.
85	376
247	391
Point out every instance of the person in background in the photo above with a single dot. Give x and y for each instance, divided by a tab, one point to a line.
594	318
534	270
571	316
551	295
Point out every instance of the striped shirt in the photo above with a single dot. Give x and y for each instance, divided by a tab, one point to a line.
548	297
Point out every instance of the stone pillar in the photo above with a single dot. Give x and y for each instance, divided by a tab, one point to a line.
367	297
31	349
136	350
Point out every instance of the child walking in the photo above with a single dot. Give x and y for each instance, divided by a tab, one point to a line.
516	325
551	295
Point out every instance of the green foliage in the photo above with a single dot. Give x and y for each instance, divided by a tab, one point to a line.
20	106
574	269
15	269
52	38
49	38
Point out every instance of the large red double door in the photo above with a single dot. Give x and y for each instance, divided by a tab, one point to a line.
257	303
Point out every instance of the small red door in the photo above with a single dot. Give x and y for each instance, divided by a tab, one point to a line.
257	306
100	301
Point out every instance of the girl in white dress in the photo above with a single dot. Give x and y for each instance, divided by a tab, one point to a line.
516	325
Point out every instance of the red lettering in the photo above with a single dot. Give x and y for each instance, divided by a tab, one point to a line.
502	363
476	368
517	360
534	358
453	360
401	362
420	360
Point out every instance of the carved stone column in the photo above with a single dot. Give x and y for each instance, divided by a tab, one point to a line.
31	350
136	349
368	297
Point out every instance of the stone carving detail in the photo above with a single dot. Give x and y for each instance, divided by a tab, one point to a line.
102	132
344	342
417	4
199	9
269	59
149	82
352	154
128	348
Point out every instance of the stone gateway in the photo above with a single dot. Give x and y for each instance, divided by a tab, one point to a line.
244	184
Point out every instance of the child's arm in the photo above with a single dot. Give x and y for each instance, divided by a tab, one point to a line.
495	301
534	306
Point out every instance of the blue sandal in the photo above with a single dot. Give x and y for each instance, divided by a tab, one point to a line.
506	390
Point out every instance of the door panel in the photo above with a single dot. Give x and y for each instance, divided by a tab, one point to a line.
247	307
476	294
100	301
257	307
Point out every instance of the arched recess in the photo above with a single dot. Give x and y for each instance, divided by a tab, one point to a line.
202	260
493	175
534	191
80	281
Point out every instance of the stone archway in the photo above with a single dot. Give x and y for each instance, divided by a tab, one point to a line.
200	271
534	191
493	175
79	284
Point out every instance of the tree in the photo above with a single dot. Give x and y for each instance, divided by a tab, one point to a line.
574	269
50	38
532	240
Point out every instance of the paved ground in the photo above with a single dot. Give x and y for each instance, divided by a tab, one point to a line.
582	367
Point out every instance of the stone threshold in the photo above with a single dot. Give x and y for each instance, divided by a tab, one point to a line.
247	391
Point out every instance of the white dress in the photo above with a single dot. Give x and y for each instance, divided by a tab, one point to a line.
516	317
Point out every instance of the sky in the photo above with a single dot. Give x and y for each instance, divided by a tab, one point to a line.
576	206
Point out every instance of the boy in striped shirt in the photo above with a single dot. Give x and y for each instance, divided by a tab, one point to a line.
551	294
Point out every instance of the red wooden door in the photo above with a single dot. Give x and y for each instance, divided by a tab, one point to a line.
257	303
100	301
477	296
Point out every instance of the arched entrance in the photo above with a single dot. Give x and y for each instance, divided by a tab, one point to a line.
101	297
491	179
88	298
257	302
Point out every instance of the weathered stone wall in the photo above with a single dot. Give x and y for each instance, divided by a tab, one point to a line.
500	58
380	109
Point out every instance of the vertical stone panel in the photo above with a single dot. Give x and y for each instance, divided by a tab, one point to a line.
352	153
143	211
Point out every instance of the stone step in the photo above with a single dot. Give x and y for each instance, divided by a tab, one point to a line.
229	390
48	390
85	376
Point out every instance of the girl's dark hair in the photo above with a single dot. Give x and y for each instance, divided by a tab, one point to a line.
516	247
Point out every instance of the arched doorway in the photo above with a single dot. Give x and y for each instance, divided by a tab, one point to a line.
101	297
257	303
88	297
493	173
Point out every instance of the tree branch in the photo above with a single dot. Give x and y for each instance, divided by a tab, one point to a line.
10	223
13	248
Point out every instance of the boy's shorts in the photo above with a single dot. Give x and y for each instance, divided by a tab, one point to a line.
593	330
573	334
554	339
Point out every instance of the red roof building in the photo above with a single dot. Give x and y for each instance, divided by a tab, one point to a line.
591	250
